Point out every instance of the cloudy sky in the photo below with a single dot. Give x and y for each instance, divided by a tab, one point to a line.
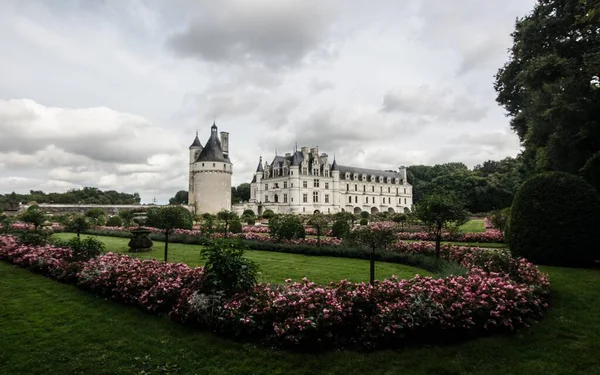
110	93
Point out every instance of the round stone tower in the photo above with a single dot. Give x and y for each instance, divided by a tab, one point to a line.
210	174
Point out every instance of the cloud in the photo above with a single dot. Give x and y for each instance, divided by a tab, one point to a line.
271	32
434	103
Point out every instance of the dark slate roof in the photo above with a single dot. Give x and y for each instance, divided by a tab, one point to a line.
253	180
369	172
297	158
260	166
213	150
196	143
334	166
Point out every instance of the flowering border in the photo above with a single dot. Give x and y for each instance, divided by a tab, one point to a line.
498	293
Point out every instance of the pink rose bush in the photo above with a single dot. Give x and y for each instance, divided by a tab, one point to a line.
490	235
498	293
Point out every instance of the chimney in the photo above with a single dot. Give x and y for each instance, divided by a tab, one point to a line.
225	143
402	171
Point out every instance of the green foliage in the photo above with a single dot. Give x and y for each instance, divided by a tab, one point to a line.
439	212
248	213
376	237
364	221
209	224
114	221
95	214
364	215
286	227
346	216
555	220
5	223
126	216
250	220
34	216
548	87
181	197
168	219
34	238
268	214
78	224
320	223
235	226
226	269
87	195
83	250
340	229
500	219
226	217
241	193
101	220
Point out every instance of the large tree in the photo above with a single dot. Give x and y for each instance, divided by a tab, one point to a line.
181	197
550	87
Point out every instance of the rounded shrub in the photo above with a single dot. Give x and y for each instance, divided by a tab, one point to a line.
340	229
364	215
364	221
114	221
235	226
248	213
268	214
554	220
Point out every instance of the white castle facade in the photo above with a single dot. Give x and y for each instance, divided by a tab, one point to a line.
210	172
305	182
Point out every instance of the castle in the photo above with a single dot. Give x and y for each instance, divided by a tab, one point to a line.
304	182
210	172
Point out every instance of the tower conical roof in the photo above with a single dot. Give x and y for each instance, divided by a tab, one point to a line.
196	143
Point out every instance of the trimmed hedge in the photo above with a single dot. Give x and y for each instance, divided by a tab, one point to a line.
555	218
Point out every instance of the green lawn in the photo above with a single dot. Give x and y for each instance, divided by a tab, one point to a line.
52	328
274	267
475	225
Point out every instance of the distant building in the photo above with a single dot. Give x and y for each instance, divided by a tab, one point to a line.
305	182
210	174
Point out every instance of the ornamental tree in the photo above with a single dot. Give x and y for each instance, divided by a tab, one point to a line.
439	212
377	236
78	224
168	219
126	216
95	214
226	218
34	216
286	227
320	223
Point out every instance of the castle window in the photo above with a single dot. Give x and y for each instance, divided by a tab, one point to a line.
327	185
292	173
364	188
276	198
203	164
404	190
404	200
373	189
224	167
305	198
348	188
326	198
303	209
304	170
266	198
316	171
326	172
364	177
284	198
366	199
315	196
266	186
285	184
381	189
214	164
315	183
349	199
355	187
355	176
356	199
304	184
373	199
292	184
399	200
396	190
388	189
347	177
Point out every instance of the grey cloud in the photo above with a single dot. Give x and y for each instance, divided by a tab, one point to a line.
440	104
273	33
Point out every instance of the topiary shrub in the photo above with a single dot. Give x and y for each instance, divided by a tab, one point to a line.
364	221
114	221
268	214
554	220
235	226
286	227
248	213
340	229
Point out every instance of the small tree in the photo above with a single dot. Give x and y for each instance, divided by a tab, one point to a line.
95	214
248	213
286	227
364	215
268	214
377	236
400	219
226	269
114	221
6	223
78	224
169	219
340	229
34	216
126	216
226	218
320	223
209	224
439	212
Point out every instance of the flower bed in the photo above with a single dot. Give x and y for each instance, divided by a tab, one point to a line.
490	235
498	293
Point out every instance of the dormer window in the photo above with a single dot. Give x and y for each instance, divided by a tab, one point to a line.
355	176
347	175
373	178
364	177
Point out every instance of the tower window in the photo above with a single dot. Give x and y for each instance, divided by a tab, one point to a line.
224	167
404	190
214	164
355	187
350	199
388	189
326	198
348	188
373	189
404	200
356	199
315	196
305	198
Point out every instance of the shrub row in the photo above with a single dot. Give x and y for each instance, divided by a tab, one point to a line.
497	293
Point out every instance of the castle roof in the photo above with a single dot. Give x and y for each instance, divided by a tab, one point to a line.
297	158
334	166
260	166
196	143
369	172
213	150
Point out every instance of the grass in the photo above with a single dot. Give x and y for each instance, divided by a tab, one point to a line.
475	225
52	328
274	267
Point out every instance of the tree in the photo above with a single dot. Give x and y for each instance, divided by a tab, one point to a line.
550	87
286	227
6	223
439	212
168	219
78	224
94	214
181	197
400	219
226	218
241	193
127	217
377	236
268	214
320	223
35	216
340	228
226	269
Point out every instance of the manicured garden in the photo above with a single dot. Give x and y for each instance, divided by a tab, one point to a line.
49	327
274	267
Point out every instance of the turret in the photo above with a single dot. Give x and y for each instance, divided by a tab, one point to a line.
225	143
335	173
195	149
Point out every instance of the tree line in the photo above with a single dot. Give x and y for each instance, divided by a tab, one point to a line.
87	195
